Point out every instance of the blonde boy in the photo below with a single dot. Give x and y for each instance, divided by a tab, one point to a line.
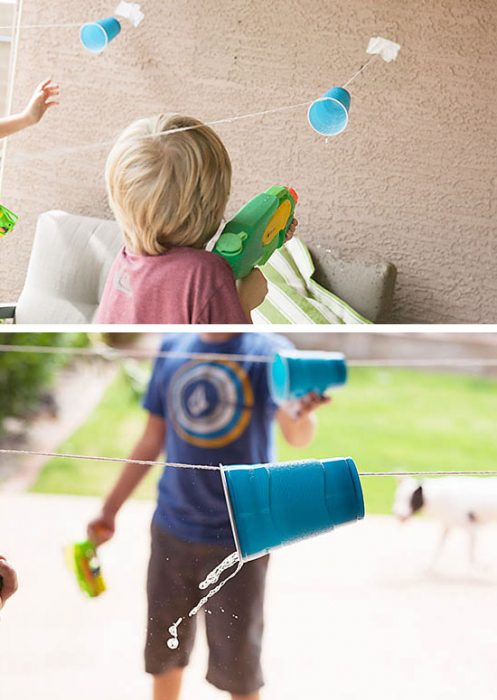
169	181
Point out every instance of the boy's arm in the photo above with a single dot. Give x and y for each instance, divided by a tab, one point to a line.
148	449
299	430
40	102
252	291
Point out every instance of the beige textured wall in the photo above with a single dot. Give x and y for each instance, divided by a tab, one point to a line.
413	178
6	15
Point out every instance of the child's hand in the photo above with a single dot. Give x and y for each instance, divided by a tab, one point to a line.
291	231
252	291
101	529
310	403
9	581
41	101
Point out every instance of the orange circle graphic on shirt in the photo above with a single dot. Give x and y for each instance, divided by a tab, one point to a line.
231	413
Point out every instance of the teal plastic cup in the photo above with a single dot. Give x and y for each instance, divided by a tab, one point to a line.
96	36
272	505
329	115
294	374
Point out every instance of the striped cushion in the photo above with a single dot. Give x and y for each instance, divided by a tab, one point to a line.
294	297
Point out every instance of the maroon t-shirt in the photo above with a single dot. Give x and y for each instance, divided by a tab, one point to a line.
184	286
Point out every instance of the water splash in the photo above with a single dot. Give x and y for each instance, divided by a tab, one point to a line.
210	580
213	576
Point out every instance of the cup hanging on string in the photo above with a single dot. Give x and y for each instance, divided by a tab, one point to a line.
96	36
329	114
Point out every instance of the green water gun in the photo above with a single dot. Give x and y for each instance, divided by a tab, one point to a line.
257	230
83	559
7	220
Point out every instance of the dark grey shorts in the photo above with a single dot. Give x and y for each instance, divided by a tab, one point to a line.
234	617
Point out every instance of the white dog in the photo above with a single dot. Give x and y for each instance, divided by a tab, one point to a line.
454	501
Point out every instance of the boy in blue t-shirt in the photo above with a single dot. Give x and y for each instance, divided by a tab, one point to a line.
209	412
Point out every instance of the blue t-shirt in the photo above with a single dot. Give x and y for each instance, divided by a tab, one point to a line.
217	412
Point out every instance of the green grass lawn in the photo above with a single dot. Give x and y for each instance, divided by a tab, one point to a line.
384	419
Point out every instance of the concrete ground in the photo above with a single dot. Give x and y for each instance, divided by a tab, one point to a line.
351	614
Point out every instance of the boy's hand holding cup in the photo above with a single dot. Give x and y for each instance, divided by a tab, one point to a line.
305	406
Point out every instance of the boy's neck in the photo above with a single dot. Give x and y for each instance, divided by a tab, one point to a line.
217	338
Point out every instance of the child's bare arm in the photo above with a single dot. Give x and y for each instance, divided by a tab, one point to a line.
252	291
148	449
41	101
8	580
299	429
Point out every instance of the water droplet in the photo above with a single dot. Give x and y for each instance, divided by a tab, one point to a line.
172	630
173	643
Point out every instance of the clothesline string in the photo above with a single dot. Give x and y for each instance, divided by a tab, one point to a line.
216	122
111	354
176	465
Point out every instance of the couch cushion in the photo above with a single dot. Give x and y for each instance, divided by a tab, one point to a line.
68	269
295	297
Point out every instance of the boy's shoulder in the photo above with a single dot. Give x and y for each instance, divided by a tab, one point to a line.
204	258
265	343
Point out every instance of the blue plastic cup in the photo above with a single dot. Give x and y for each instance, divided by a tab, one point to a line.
294	374
96	36
329	115
272	505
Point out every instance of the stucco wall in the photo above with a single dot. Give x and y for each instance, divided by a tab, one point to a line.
413	178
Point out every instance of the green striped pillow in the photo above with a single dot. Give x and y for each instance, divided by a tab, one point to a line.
294	297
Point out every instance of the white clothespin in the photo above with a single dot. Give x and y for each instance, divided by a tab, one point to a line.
131	11
387	49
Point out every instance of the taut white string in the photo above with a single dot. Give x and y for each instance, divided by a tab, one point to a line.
112	354
176	465
361	69
216	122
45	26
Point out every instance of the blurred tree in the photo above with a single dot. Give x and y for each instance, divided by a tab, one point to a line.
25	376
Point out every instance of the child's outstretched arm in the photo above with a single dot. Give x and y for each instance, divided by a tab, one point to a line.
42	100
8	580
299	429
147	449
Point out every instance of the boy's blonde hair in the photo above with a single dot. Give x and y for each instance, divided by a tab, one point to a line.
168	189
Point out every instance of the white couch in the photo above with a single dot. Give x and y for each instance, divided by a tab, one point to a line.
72	255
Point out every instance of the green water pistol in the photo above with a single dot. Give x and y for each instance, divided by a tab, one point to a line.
258	229
82	557
7	220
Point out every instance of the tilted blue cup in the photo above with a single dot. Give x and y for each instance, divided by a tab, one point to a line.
96	36
294	373
329	115
272	505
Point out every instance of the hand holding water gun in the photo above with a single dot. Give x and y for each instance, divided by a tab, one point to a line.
83	559
260	227
101	529
8	581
